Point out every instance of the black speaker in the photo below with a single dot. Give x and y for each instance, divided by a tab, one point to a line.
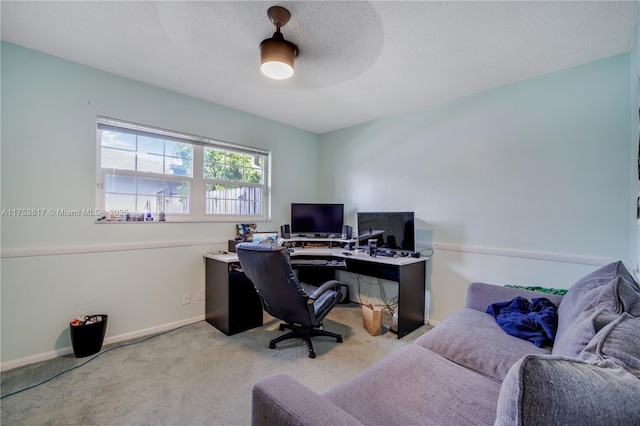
344	294
346	232
285	231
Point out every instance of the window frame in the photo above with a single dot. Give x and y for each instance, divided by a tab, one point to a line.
197	182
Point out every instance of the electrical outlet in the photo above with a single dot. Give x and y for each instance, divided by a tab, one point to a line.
186	298
200	294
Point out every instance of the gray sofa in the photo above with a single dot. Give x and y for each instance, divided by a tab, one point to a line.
468	371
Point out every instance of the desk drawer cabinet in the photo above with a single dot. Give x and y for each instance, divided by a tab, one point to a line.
232	305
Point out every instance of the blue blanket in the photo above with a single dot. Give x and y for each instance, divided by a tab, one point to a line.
535	321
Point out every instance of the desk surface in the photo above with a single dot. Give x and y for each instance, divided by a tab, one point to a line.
334	252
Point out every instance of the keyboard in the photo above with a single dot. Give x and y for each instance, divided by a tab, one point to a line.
308	262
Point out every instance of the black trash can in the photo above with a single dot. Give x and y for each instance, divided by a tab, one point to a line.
87	339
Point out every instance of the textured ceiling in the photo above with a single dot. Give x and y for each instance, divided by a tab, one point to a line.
358	60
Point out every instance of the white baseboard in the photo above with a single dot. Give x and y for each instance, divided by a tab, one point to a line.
107	341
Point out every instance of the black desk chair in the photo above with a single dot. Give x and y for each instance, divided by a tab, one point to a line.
302	306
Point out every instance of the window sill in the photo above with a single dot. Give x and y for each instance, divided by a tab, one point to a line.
176	220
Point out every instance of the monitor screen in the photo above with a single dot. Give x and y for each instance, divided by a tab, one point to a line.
393	230
317	218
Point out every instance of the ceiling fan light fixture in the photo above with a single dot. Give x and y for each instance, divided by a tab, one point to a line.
276	53
277	56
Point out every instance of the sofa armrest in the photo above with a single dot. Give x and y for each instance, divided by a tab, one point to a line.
481	295
281	400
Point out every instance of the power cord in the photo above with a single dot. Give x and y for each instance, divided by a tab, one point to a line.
91	359
430	254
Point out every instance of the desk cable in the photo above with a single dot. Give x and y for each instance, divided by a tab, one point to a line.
389	306
91	359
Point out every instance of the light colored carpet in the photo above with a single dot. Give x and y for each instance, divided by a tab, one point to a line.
192	376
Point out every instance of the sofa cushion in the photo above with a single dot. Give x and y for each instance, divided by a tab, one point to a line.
619	342
414	386
560	390
474	339
481	295
616	296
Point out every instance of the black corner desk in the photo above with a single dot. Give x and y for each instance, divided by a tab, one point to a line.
232	305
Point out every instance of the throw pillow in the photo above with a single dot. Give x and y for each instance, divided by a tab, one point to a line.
541	389
578	296
619	341
576	329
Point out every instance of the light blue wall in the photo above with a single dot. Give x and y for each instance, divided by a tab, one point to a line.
48	116
525	184
49	109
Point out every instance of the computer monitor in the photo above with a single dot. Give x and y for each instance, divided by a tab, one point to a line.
317	219
394	231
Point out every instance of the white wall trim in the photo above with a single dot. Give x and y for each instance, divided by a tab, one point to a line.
100	248
524	254
494	251
107	341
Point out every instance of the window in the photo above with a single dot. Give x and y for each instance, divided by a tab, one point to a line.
144	170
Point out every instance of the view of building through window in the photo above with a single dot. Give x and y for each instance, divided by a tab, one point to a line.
184	177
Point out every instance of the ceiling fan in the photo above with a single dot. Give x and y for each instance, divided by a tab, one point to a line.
276	53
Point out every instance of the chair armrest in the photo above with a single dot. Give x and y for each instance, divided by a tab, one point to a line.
281	400
329	285
481	295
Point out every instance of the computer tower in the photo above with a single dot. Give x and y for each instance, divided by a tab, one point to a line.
285	231
344	295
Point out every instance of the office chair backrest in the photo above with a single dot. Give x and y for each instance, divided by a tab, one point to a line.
269	269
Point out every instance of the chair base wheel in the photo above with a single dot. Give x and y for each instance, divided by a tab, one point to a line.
304	333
